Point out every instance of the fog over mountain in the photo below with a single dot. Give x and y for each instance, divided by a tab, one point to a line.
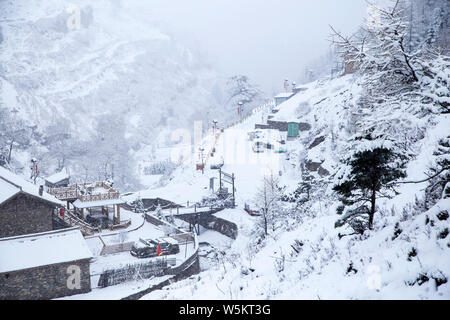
71	66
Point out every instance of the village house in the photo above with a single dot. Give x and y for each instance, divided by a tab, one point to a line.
46	265
91	206
282	97
59	179
24	207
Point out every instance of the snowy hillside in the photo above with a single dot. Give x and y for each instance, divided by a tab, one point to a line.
72	67
338	188
404	257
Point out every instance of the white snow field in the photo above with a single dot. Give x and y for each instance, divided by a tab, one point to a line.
380	268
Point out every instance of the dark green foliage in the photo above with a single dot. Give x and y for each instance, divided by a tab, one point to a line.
412	254
351	269
443	234
443	215
304	190
397	231
439	279
372	173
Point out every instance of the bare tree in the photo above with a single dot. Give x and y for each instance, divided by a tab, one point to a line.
267	197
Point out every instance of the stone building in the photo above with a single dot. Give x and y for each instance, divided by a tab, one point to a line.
44	266
282	97
24	207
59	179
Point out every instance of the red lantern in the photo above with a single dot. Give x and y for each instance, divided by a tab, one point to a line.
61	212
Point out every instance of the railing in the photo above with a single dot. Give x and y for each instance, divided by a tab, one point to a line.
74	192
252	112
72	220
248	115
122	225
99	197
64	193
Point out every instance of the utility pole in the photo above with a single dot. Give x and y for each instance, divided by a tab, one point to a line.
214	126
240	108
234	200
203	163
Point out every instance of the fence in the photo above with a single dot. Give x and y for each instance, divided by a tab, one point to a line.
74	192
72	220
154	268
132	272
249	114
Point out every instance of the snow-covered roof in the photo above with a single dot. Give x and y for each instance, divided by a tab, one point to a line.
59	176
41	249
284	95
313	93
11	184
90	204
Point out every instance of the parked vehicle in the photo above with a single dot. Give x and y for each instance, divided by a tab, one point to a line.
258	147
252	135
147	248
217	166
250	211
280	149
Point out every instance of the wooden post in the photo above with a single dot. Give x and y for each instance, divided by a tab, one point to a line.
234	200
82	213
118	213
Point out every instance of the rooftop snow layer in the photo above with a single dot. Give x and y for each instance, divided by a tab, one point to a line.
90	204
11	184
284	95
59	176
41	249
314	93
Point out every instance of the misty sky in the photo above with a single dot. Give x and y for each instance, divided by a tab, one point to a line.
267	40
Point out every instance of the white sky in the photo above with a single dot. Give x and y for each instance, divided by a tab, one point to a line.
268	40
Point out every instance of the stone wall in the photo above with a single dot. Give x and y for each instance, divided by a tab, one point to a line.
189	268
133	272
283	126
25	214
212	222
45	282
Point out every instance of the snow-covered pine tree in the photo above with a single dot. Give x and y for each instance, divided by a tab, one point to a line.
439	183
369	172
435	83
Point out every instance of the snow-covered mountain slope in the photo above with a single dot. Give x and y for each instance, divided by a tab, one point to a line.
70	63
52	73
405	256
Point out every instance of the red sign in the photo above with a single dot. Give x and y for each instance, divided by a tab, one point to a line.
158	250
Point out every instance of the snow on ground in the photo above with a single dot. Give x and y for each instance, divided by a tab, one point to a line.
119	291
373	266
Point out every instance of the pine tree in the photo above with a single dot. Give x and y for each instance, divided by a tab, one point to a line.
371	172
439	186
